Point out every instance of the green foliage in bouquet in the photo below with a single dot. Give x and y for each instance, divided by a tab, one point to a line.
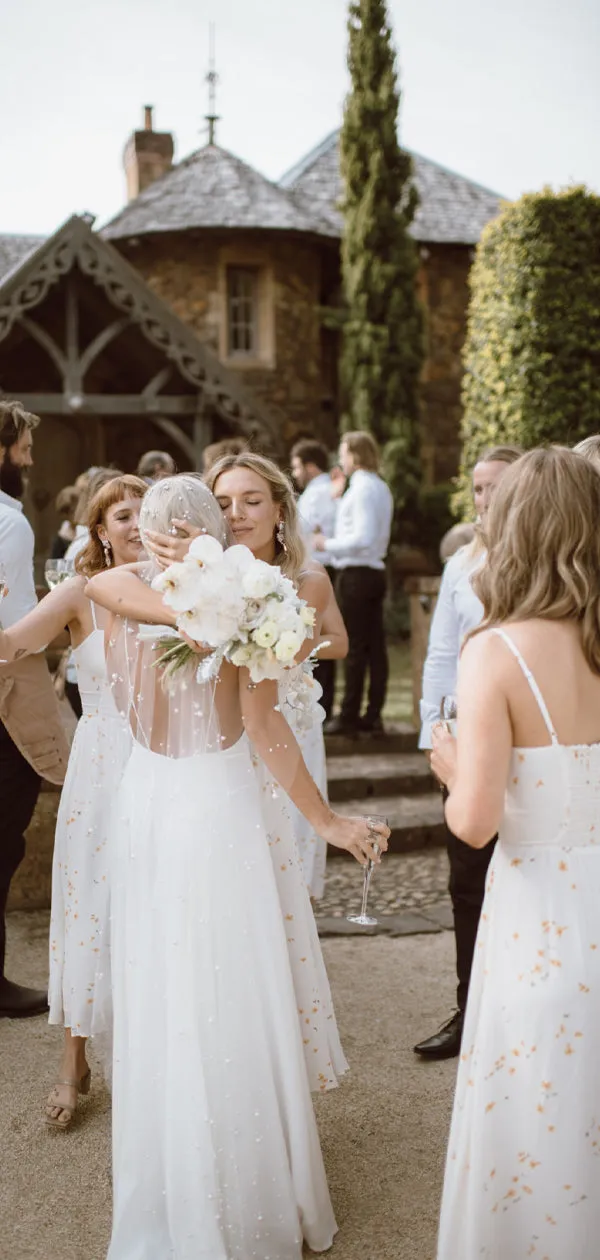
383	344
532	353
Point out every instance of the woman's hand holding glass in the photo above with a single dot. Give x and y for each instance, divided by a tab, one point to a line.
443	754
365	840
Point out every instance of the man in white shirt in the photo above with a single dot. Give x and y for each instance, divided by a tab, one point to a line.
358	548
317	510
32	740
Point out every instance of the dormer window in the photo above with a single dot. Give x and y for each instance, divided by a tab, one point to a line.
243	312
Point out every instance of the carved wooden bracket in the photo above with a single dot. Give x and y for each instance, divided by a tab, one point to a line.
75	243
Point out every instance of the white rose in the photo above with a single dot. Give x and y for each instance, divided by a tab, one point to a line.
260	580
266	634
287	646
308	615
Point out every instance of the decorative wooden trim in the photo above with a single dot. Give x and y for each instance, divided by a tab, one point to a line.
215	384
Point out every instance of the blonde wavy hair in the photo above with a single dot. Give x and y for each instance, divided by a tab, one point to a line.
590	449
543	541
291	554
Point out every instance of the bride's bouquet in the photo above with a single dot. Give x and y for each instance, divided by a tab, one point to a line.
247	611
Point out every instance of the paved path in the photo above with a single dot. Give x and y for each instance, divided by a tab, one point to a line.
383	1132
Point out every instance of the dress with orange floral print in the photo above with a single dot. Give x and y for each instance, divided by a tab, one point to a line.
523	1167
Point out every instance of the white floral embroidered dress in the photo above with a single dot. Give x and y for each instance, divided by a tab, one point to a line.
299	696
523	1167
79	917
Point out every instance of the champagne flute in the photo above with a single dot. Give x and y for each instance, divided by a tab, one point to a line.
57	571
449	713
364	919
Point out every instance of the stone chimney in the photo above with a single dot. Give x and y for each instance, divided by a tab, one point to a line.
148	154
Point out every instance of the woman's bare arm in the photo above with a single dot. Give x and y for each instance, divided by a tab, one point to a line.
475	806
275	743
334	631
123	593
316	589
64	606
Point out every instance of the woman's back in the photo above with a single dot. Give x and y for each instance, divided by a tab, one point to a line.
552	651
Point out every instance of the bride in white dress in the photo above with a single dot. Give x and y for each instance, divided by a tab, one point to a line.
78	948
215	1147
259	505
523	1167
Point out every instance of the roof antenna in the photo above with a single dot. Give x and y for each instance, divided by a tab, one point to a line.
212	79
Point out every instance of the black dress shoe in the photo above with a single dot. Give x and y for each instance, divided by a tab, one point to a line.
445	1044
16	1002
337	726
373	726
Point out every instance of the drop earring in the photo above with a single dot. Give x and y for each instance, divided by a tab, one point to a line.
107	555
280	535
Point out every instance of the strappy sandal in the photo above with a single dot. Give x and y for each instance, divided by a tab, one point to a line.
81	1086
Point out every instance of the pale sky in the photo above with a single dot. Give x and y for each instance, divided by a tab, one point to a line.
506	92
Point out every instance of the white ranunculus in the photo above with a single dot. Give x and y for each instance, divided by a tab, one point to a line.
288	645
179	586
308	615
242	655
205	550
266	634
260	580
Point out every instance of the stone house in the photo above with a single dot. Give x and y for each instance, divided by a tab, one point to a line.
198	311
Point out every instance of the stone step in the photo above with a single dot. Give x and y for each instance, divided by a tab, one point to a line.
399	737
416	822
384	774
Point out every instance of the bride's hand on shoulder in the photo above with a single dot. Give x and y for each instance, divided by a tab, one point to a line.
358	837
173	547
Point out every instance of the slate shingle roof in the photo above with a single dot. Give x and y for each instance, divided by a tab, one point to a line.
452	209
14	250
214	189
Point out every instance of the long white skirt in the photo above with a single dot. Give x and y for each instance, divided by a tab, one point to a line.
216	1154
79	946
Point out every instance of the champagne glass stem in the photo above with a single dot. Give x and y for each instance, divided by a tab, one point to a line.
366	886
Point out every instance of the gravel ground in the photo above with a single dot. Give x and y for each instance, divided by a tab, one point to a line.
383	1132
408	881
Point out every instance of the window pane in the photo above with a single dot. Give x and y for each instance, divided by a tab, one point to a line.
242	310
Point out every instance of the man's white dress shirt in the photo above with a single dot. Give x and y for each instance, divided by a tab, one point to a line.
458	610
81	539
17	544
317	511
363	523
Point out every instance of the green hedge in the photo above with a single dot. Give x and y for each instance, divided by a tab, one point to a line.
532	353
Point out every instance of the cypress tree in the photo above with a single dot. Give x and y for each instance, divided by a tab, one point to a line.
383	347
